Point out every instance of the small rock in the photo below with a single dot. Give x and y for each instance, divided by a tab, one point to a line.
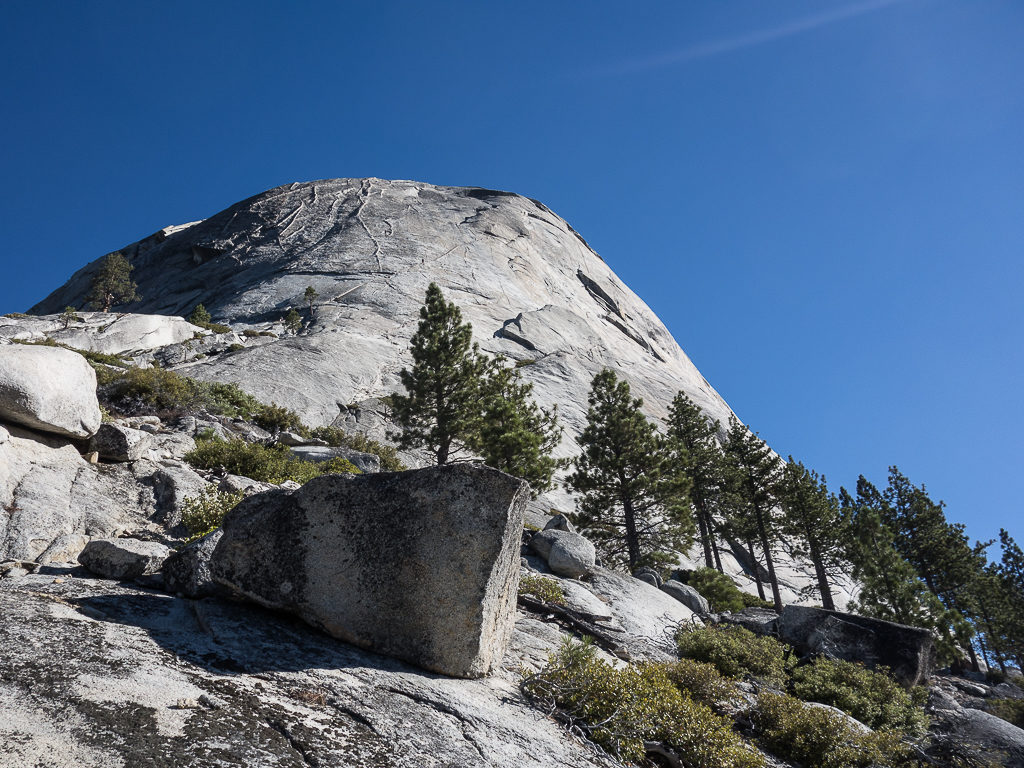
688	596
123	558
93	457
559	523
649	575
567	554
364	462
188	571
115	442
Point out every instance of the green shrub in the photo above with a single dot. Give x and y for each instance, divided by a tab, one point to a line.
620	709
870	696
717	588
736	651
203	514
270	465
339	438
703	682
753	601
236	347
548	590
249	333
276	418
1010	710
164	390
100	358
202	318
811	736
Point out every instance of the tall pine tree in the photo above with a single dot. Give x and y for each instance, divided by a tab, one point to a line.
754	474
812	518
441	408
514	434
630	503
698	456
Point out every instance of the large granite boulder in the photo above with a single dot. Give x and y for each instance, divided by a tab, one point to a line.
49	389
421	565
909	652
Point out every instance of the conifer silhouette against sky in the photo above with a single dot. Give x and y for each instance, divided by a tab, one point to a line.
824	201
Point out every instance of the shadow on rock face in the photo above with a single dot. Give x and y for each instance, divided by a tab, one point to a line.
224	637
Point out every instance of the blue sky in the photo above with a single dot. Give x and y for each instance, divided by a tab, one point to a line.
824	201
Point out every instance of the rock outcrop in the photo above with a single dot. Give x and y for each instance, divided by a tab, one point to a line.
908	652
421	565
567	554
49	389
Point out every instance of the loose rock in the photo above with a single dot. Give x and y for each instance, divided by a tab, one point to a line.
123	558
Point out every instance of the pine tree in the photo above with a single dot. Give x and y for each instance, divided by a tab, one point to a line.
112	284
812	517
695	452
891	588
630	505
753	477
441	408
310	295
292	320
1011	575
69	316
200	316
514	434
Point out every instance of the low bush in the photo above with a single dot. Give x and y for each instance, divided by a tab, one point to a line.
1010	710
753	601
620	709
717	588
96	358
339	438
811	736
870	696
270	465
736	651
203	514
703	682
541	588
158	389
276	418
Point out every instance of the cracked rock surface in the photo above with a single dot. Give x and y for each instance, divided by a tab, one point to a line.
100	673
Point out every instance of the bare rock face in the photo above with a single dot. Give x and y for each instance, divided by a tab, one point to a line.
52	501
567	554
531	286
49	389
106	332
420	565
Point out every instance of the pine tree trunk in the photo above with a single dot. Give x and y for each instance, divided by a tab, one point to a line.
819	571
632	540
718	557
705	540
763	532
755	569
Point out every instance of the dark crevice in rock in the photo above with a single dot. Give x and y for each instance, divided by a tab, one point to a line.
300	748
600	295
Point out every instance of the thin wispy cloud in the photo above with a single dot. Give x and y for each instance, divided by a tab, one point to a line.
749	40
